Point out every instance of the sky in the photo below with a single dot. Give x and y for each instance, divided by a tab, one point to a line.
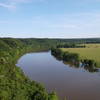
50	18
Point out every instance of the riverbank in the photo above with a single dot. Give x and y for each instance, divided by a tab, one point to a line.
86	53
66	80
14	85
74	59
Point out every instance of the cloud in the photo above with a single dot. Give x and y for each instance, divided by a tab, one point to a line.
9	6
12	4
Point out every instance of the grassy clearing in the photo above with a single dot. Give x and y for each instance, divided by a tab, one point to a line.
92	51
92	45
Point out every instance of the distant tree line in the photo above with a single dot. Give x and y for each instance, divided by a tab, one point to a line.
70	45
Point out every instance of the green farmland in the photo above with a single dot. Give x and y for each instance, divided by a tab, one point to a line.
92	51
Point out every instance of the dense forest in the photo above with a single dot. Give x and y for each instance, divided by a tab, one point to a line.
14	85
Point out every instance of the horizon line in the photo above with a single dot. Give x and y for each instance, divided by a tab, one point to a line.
52	38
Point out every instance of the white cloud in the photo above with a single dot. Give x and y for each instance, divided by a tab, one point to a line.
12	4
9	6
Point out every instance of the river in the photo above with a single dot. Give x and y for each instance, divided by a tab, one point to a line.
68	81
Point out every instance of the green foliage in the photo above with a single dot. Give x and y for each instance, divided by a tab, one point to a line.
91	52
66	56
53	96
70	45
14	85
4	46
74	59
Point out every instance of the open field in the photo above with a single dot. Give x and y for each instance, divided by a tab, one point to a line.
92	51
92	45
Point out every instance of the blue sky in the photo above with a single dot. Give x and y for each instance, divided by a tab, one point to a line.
50	18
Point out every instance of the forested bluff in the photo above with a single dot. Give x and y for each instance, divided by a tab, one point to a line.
14	85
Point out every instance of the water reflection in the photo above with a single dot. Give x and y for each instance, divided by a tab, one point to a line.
72	82
80	65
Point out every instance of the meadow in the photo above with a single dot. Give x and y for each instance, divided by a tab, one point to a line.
91	51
